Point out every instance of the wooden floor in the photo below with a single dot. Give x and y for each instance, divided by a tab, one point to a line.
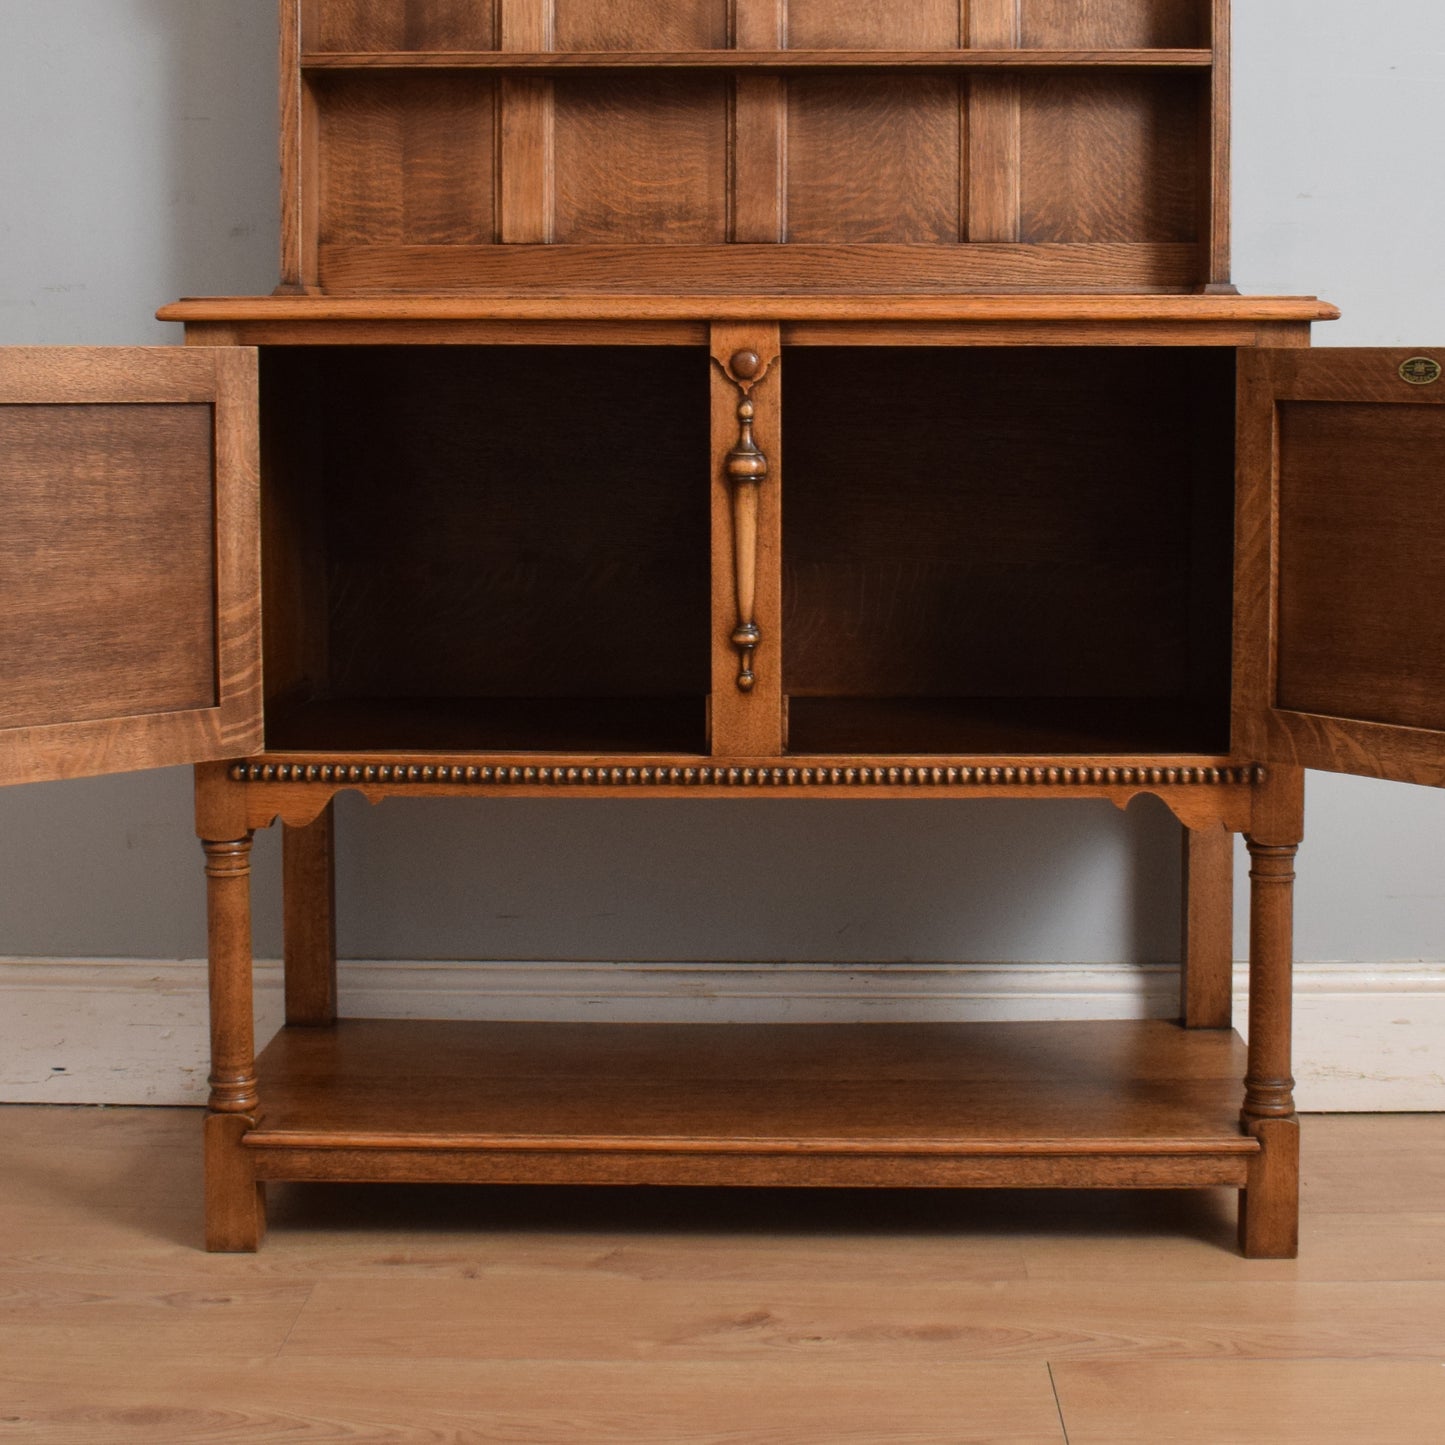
466	1314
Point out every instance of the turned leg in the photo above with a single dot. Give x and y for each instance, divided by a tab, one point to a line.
235	1202
308	871
1206	982
1269	1206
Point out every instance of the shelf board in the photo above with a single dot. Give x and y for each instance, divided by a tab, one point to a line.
1133	1103
753	60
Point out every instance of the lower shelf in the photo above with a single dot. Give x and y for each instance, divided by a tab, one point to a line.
1124	1105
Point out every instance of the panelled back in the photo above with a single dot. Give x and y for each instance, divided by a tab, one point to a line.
755	146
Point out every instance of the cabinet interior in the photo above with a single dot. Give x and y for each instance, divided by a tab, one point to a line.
992	550
486	548
1008	550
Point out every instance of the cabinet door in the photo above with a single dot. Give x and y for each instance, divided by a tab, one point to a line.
1340	561
129	566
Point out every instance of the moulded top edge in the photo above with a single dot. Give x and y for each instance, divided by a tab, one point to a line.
611	306
744	59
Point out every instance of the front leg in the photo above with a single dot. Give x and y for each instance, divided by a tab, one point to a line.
1269	1206
235	1200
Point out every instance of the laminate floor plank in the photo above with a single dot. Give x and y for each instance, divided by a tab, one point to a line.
701	1403
557	1315
449	1314
144	1318
1339	1247
1230	1402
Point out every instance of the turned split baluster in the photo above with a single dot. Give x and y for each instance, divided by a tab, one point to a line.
1269	1206
235	1201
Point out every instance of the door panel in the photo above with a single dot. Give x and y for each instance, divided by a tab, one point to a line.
1340	615
129	592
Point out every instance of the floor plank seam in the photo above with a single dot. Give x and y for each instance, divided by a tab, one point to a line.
1058	1404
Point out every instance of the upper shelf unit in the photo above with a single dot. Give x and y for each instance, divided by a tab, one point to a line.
574	147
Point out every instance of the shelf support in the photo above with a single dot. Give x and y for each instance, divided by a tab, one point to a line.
308	888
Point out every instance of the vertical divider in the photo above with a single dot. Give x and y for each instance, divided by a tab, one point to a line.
759	141
1215	140
526	180
299	179
747	574
992	138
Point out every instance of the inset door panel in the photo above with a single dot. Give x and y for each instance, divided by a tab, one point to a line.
1343	597
129	627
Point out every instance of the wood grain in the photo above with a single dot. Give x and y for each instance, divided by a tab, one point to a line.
640	25
406	160
1108	158
1201	1402
1207	918
836	24
400	25
1309	533
1080	561
109	505
1060	24
637	1402
689	270
873	160
752	721
641	161
825	304
1127	1323
863	1317
130	634
759	58
308	867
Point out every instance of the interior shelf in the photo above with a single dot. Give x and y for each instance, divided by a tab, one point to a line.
1030	59
1133	1103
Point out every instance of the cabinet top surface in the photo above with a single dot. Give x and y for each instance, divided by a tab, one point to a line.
613	306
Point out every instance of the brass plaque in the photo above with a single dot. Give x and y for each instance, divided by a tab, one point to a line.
1421	371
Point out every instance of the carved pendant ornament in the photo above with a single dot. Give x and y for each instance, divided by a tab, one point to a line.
746	469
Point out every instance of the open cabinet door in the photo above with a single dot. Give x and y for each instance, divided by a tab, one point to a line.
129	559
1340	582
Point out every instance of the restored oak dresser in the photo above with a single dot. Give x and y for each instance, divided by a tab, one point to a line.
740	399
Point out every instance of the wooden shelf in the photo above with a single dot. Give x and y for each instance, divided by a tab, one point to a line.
753	60
1131	1104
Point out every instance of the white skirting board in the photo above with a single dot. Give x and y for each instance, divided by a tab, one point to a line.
126	1031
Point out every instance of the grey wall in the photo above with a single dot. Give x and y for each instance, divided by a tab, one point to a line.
138	164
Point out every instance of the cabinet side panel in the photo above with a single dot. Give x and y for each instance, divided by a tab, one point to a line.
1113	24
1362	572
642	25
1109	158
107	571
874	159
407	159
641	160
